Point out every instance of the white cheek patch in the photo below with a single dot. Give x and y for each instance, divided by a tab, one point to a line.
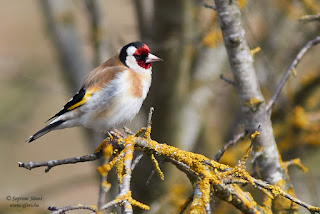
131	50
132	62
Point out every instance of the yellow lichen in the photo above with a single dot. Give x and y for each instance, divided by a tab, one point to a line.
255	134
298	163
102	171
267	205
132	201
253	103
209	172
94	207
281	203
293	72
157	167
143	129
102	145
138	204
107	151
197	205
106	186
119	169
259	148
147	134
105	168
254	51
245	197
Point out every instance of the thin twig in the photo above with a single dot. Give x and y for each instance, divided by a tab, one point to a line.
209	6
186	204
62	210
52	163
153	172
231	82
95	24
183	168
150	117
310	18
235	139
110	204
265	185
293	65
128	131
136	161
102	192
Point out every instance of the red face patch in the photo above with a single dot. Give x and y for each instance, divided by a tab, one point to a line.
141	55
144	50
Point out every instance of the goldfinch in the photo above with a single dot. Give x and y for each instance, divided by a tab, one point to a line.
111	94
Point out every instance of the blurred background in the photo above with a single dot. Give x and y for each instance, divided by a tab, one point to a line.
47	48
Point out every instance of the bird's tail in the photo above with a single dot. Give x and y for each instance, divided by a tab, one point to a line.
45	130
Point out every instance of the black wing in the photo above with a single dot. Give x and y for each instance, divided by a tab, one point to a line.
74	100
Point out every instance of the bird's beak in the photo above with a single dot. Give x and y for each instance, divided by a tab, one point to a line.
152	58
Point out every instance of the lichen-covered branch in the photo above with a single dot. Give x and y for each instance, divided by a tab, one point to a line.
125	185
197	165
207	176
266	158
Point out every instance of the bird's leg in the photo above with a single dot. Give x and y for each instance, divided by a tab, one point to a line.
117	132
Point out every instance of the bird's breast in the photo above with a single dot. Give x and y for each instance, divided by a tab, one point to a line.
139	84
119	101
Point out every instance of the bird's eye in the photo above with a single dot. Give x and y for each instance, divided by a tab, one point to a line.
140	57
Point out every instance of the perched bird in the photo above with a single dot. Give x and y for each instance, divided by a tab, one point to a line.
111	94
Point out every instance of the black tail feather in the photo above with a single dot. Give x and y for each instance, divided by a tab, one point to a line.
45	130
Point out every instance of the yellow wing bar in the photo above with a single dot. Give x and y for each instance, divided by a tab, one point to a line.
84	99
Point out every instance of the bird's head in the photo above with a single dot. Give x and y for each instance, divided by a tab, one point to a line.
137	56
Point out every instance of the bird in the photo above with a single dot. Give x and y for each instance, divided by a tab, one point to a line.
111	94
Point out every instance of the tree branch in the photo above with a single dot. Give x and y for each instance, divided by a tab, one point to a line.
291	68
266	157
97	34
125	187
227	80
230	143
60	24
62	210
209	6
52	163
262	184
207	175
310	18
